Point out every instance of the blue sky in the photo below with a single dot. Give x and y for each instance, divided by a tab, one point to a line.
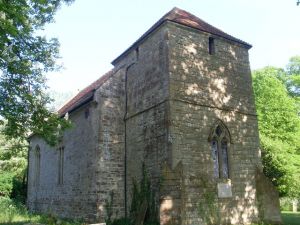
94	32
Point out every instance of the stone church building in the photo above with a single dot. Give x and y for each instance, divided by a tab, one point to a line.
180	101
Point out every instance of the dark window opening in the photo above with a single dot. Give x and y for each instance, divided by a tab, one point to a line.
211	46
87	113
60	165
137	53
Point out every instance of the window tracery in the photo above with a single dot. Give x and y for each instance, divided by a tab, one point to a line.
220	140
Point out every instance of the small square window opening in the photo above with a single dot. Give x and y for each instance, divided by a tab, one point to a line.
211	45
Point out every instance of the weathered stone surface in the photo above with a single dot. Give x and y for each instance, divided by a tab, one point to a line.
268	199
159	108
77	196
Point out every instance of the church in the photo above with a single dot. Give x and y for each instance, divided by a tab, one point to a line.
180	102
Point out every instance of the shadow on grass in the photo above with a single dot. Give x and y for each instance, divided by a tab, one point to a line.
290	218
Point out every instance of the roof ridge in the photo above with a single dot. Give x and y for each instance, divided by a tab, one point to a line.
184	18
195	18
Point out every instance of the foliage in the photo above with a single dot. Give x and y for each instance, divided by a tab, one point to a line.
19	190
276	111
121	221
25	57
6	183
59	99
13	154
293	79
279	127
13	161
208	204
10	210
282	166
143	193
293	76
13	212
286	204
109	208
12	186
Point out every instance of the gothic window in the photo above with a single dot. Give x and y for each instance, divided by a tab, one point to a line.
214	148
60	165
37	162
220	139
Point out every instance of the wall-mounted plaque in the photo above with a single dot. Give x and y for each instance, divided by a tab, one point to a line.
224	190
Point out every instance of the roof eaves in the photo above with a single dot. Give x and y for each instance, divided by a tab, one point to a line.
89	97
247	45
165	19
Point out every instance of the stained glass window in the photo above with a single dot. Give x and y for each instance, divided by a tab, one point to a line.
225	172
215	157
219	148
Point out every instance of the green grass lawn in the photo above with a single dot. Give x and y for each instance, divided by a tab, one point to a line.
290	218
13	213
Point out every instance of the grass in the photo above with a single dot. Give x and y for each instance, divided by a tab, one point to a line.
14	213
290	218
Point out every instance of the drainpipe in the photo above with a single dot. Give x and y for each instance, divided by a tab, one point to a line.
125	139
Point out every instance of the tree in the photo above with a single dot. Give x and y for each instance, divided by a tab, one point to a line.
293	76
293	79
13	154
25	57
59	99
279	128
276	110
13	164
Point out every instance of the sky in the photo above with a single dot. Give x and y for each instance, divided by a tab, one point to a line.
92	33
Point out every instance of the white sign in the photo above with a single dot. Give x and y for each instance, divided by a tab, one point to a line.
224	190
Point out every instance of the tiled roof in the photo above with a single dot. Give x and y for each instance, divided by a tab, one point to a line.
185	18
85	95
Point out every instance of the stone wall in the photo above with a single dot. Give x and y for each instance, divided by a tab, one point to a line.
268	199
171	195
204	89
110	158
147	110
76	197
93	160
159	108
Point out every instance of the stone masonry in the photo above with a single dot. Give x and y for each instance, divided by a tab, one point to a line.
171	94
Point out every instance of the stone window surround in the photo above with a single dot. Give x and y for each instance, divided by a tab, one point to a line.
225	135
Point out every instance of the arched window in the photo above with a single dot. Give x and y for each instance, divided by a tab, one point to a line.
61	150
220	139
37	157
